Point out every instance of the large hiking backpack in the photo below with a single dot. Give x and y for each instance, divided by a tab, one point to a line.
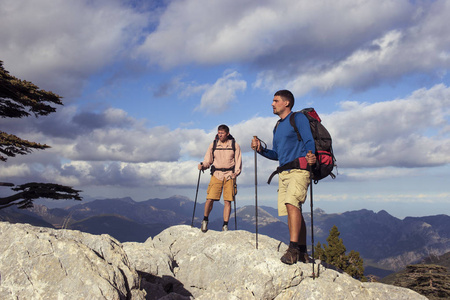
214	148
322	140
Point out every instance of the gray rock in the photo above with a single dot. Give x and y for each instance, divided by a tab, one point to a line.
227	265
179	263
44	263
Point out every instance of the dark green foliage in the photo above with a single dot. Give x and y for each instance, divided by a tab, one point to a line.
33	190
11	145
432	281
19	98
334	253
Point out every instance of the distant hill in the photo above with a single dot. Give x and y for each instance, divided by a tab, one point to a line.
121	228
384	241
386	244
14	215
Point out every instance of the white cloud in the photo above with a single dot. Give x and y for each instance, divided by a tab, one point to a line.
119	150
402	132
218	32
58	44
416	46
218	97
306	45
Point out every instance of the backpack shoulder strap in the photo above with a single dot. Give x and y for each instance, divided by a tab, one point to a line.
292	121
276	126
233	143
214	145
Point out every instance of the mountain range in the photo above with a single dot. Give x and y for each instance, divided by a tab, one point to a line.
387	244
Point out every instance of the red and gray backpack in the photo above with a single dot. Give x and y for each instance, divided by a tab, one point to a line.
324	150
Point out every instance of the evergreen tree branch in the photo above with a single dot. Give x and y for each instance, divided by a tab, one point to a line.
29	192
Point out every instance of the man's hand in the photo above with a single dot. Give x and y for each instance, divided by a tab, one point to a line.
256	144
310	158
200	166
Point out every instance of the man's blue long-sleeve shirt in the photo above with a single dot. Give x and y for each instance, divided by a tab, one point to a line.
286	146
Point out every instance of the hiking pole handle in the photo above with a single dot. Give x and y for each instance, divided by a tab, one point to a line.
310	152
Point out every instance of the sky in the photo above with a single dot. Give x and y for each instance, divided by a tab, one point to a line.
146	83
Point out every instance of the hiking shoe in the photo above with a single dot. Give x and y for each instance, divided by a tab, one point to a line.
291	256
225	228
204	226
304	258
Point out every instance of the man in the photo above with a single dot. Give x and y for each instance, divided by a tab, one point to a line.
224	157
292	182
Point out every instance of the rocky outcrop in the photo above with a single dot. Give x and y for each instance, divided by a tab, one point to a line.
179	263
44	263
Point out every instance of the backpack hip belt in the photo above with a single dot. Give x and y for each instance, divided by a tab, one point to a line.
298	163
213	169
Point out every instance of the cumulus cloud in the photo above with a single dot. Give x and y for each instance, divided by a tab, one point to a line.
218	96
316	46
218	32
408	132
417	48
62	43
301	45
122	151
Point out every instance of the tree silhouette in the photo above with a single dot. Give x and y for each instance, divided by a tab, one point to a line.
18	99
334	254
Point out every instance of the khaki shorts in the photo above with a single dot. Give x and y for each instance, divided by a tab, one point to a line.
292	189
215	189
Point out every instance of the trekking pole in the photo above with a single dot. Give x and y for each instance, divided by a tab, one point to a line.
234	200
196	193
256	196
312	226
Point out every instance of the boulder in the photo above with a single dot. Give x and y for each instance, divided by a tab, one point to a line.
45	263
227	265
179	263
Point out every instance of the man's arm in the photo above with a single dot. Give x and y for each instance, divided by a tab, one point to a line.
267	153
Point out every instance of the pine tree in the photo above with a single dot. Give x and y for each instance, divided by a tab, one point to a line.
355	266
18	99
334	254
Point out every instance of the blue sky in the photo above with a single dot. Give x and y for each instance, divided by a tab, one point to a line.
146	83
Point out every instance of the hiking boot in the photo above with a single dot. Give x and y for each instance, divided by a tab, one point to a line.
204	226
291	256
304	258
225	228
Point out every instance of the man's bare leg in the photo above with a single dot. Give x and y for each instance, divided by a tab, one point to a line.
208	207
226	211
294	223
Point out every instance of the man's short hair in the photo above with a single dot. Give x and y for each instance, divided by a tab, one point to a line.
224	128
286	96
